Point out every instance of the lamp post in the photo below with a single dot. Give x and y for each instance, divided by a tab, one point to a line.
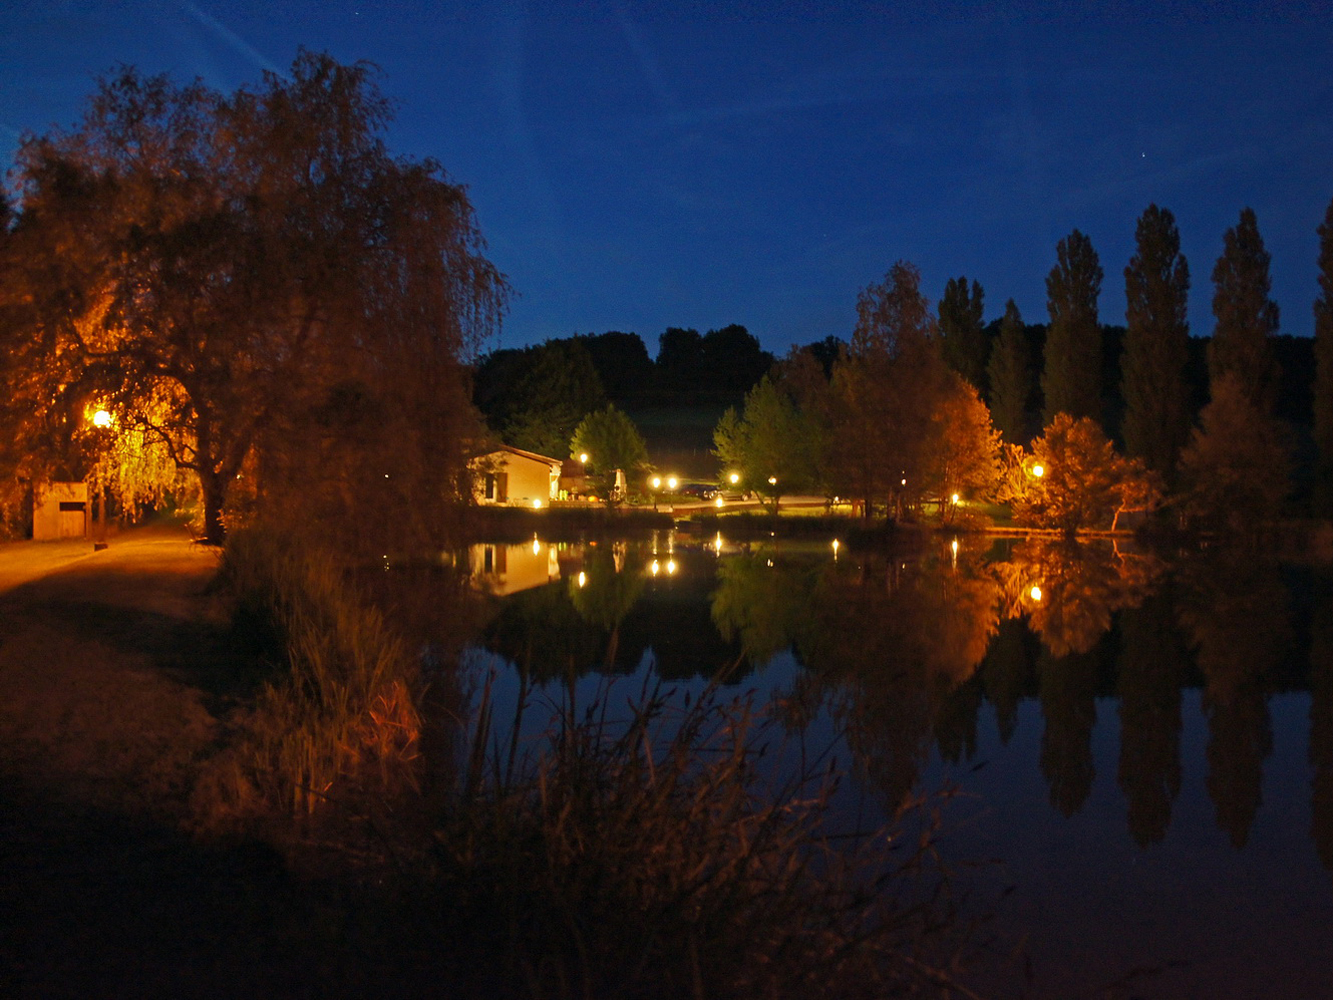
102	420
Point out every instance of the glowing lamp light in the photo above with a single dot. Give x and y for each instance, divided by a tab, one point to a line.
734	478
583	457
954	546
583	578
1035	592
1039	471
836	546
655	568
772	480
717	502
536	546
954	498
536	505
656	482
672	482
102	418
671	567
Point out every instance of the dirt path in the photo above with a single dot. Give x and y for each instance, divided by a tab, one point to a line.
103	659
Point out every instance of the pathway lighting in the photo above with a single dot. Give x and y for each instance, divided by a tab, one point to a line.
656	482
672	482
1035	592
583	457
734	478
1039	470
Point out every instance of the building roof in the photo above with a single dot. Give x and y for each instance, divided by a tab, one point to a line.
529	454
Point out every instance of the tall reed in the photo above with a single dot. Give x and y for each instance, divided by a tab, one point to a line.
343	708
649	857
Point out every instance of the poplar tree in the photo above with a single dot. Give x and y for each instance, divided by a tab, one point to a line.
1157	419
1246	316
1323	347
962	330
1010	378
1071	380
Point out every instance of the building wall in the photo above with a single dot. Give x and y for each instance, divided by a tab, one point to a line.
517	479
61	510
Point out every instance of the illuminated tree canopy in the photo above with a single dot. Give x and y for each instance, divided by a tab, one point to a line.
253	282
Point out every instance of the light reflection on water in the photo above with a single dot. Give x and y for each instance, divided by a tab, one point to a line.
1146	748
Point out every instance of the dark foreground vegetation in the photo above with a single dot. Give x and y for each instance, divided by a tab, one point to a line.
362	823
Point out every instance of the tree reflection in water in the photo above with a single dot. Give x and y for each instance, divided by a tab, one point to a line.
904	652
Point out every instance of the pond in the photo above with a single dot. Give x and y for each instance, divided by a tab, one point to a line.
1140	750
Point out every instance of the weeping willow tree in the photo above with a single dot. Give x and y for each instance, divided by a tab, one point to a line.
261	294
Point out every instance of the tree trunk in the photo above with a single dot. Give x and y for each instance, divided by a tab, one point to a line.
213	490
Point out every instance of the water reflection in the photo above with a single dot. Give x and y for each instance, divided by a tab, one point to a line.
909	654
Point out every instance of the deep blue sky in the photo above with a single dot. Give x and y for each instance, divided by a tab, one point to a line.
638	166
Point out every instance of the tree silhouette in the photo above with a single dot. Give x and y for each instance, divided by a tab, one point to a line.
1323	386
1157	418
1010	372
1246	316
1071	380
962	330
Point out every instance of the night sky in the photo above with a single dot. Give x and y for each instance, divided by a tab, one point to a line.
639	166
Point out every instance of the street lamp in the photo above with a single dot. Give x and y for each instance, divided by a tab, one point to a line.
102	420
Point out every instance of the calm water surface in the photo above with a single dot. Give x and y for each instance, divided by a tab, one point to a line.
1143	747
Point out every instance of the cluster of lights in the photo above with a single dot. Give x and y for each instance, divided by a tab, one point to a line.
657	567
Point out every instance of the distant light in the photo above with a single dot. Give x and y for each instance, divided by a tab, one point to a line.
101	419
656	482
717	543
671	566
655	568
1036	593
954	545
536	546
672	482
904	480
583	578
954	498
836	545
772	480
717	502
1039	471
735	478
583	457
770	563
536	504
